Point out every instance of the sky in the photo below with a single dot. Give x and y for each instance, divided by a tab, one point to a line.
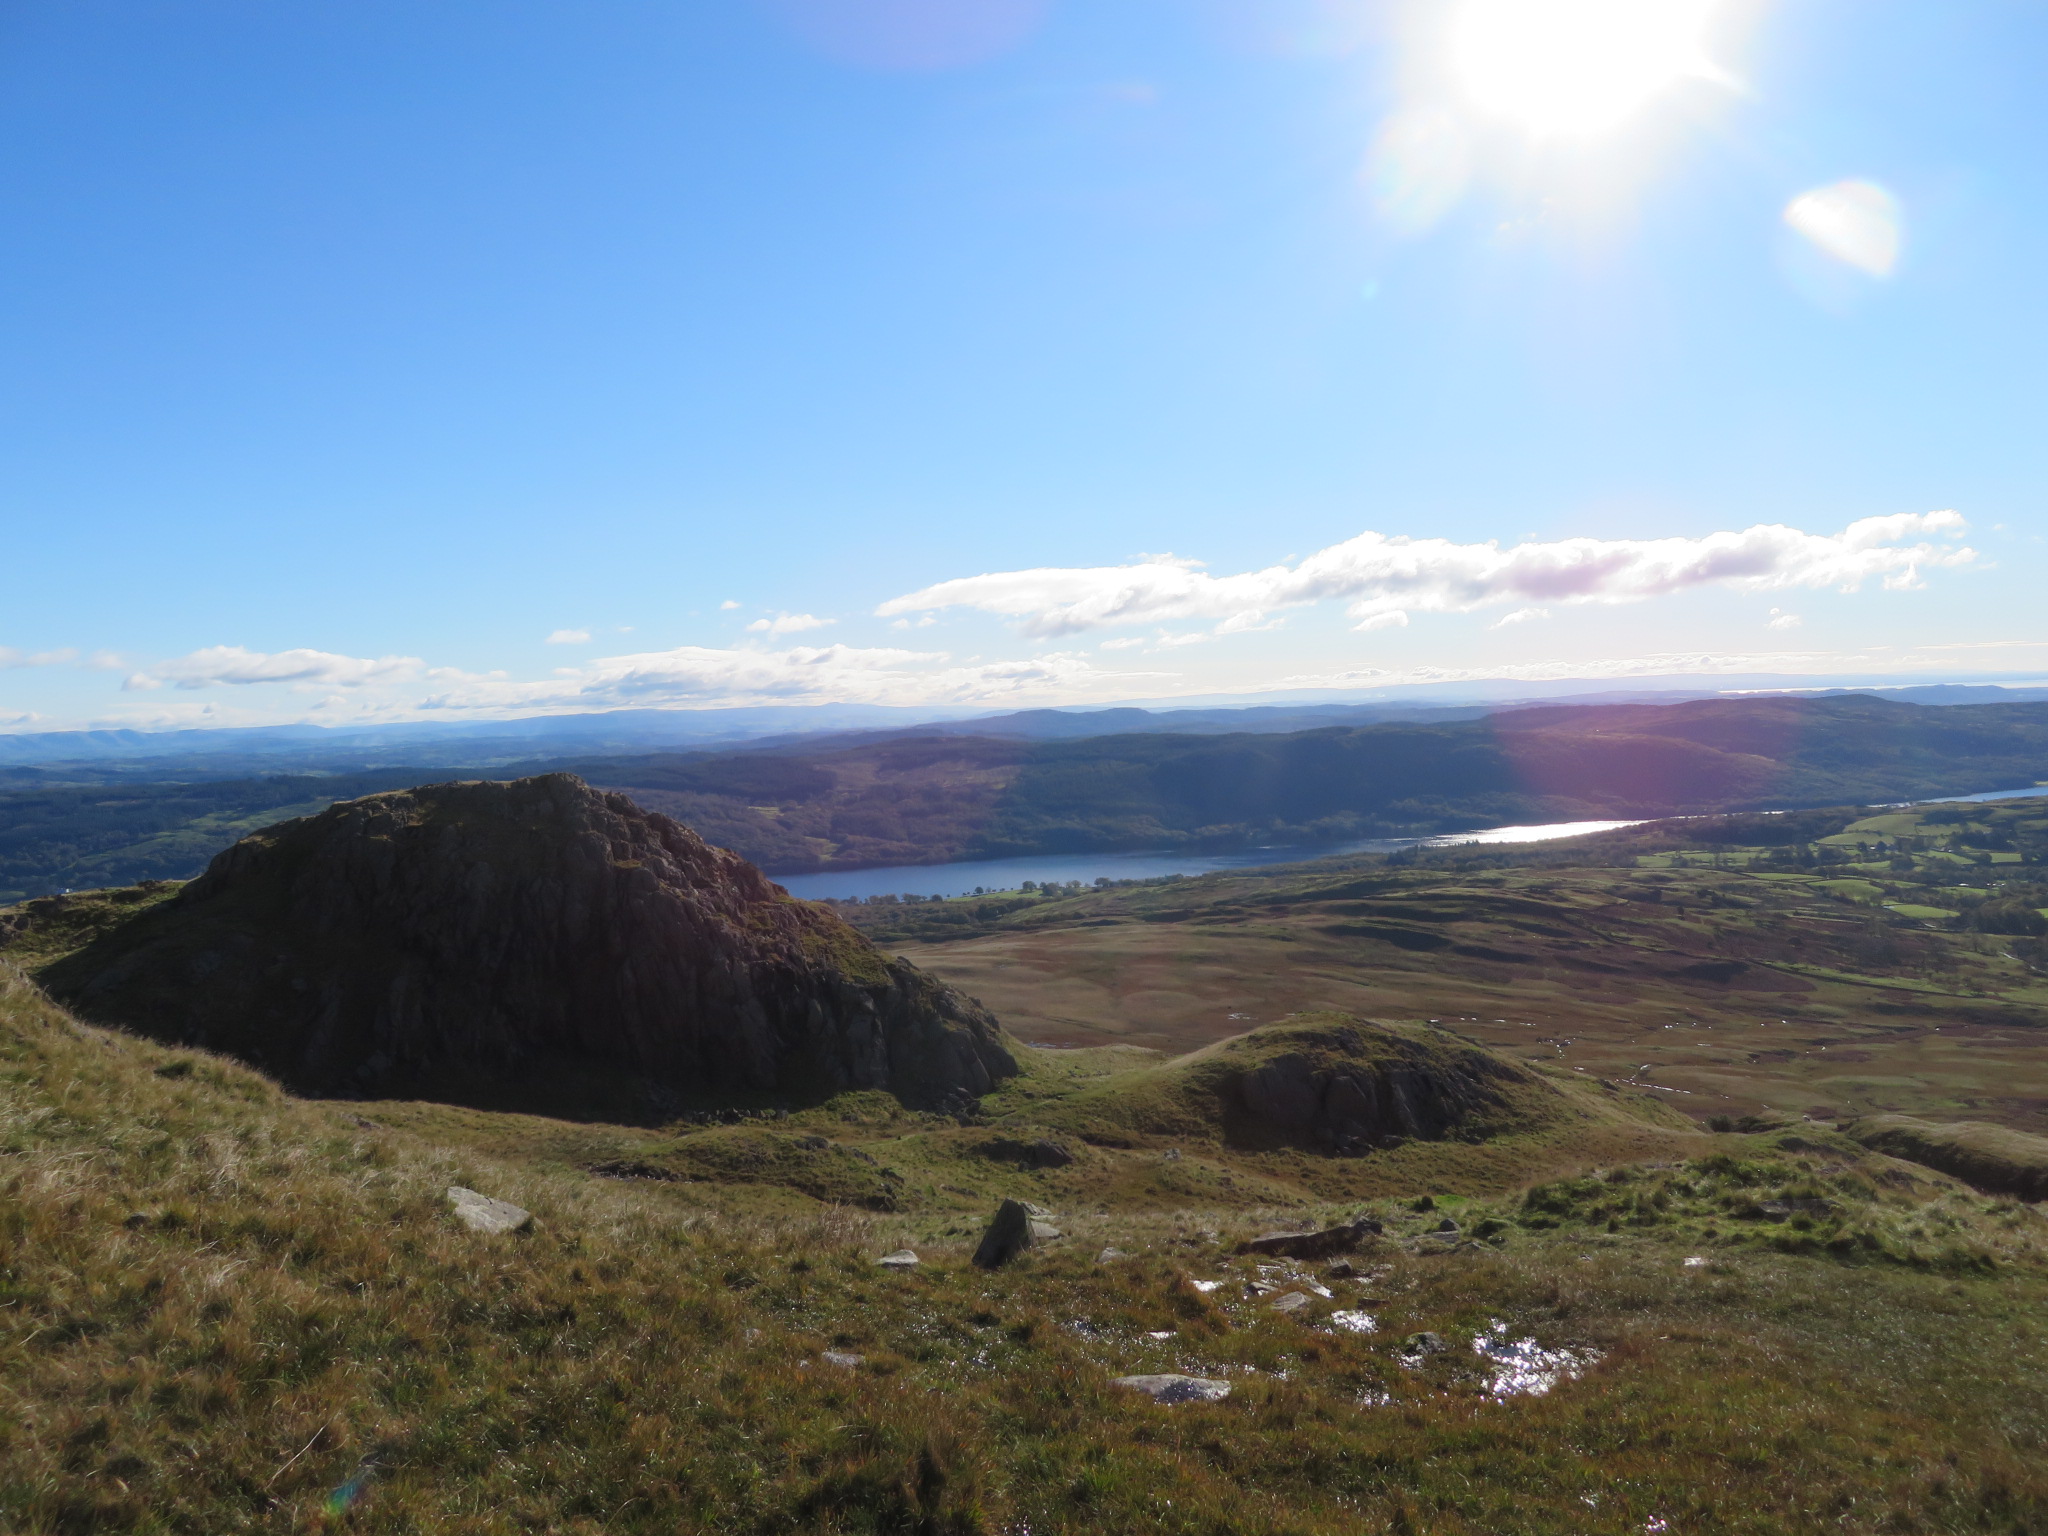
366	361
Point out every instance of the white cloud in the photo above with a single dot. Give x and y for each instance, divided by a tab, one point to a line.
10	657
728	605
233	664
569	637
1379	576
787	624
1857	222
1780	619
1519	616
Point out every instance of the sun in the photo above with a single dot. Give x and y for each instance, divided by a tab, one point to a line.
1560	68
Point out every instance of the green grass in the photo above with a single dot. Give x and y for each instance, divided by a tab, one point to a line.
222	1307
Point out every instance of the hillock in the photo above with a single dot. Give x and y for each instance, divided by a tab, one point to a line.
535	942
1334	1084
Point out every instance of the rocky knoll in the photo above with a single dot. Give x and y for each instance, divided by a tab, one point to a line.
1330	1083
459	939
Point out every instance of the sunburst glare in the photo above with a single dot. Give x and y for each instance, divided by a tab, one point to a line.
1573	67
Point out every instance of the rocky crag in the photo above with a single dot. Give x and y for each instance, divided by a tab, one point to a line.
454	939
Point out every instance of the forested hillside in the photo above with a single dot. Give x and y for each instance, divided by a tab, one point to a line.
917	801
927	799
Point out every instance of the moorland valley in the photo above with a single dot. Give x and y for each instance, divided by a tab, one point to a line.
506	1156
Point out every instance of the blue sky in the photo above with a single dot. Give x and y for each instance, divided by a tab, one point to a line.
351	350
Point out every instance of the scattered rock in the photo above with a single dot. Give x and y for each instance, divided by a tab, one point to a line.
1176	1389
1110	1255
1043	1231
1418	1347
1289	1304
480	1213
1316	1245
1343	1269
1447	1225
841	1357
1009	1234
1170	1155
902	1258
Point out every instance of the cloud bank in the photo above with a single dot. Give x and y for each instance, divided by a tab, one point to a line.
1384	578
235	665
683	677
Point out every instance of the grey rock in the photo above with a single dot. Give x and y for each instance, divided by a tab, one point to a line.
841	1357
1316	1245
1110	1255
1418	1347
1041	1153
902	1258
1043	1231
1008	1235
1176	1389
480	1213
1289	1304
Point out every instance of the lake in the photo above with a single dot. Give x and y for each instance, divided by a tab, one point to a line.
965	878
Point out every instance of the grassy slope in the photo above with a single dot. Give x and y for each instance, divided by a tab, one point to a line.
220	1307
1722	978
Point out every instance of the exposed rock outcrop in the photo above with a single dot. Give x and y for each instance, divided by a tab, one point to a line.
441	940
1357	1089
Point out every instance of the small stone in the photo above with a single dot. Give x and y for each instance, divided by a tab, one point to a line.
1696	1262
1110	1255
841	1357
480	1213
1171	1155
1289	1304
1343	1269
1043	1231
902	1258
1176	1389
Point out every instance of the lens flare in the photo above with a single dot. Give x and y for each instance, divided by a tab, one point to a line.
1573	67
1857	222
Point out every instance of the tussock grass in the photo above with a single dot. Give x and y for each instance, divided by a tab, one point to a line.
225	1310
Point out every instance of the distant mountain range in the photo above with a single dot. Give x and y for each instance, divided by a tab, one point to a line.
1211	780
99	756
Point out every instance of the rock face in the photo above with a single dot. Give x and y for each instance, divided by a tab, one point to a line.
431	940
1376	1089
